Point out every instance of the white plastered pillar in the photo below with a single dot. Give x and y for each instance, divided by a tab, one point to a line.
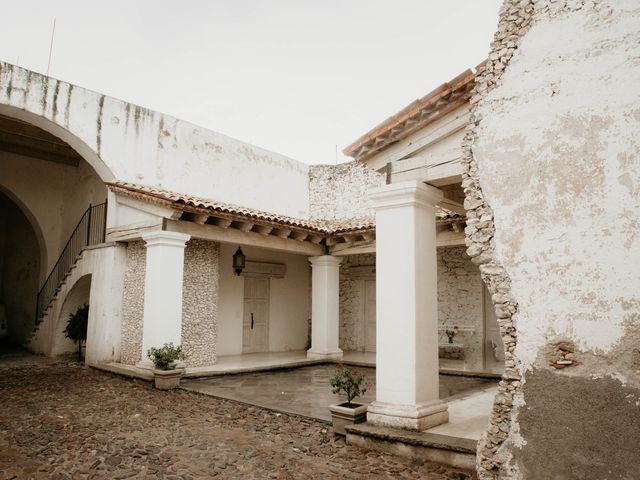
406	308
162	317
325	302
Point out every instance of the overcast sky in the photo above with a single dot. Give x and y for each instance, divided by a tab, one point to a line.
294	76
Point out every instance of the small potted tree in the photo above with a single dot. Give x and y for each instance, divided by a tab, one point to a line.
349	383
76	328
168	366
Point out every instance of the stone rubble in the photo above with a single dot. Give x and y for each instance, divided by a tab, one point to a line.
515	19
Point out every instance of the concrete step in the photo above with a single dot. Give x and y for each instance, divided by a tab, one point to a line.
454	451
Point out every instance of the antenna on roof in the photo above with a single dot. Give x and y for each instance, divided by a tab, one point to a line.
53	32
336	154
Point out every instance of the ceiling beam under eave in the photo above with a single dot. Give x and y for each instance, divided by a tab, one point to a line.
237	237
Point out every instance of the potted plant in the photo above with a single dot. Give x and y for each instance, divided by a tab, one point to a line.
349	383
76	328
168	366
451	333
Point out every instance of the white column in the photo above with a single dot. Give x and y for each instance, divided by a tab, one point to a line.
406	308
325	300
162	318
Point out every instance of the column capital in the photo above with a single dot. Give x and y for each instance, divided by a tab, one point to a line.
405	194
162	237
325	260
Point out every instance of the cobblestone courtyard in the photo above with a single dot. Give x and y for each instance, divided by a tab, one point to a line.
62	420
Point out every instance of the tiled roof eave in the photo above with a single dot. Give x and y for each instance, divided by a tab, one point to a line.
414	116
232	212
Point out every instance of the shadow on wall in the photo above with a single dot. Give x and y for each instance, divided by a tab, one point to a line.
78	296
19	272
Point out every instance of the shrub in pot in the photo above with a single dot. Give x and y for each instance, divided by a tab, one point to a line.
349	383
167	361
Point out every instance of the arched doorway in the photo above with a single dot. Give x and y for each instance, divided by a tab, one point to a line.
77	297
48	187
20	267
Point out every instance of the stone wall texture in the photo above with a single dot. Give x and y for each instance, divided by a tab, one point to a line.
552	166
460	302
133	303
351	336
200	302
339	192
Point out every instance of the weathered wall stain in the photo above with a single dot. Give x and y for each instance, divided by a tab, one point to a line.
579	428
552	157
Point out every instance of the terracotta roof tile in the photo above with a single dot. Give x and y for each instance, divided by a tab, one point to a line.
414	116
193	203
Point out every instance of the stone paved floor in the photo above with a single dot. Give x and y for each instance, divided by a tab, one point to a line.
60	420
306	391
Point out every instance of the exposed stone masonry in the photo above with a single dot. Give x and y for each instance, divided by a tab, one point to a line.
460	301
200	302
515	19
352	298
339	192
133	303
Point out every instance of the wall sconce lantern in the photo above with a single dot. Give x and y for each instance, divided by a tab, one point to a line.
238	261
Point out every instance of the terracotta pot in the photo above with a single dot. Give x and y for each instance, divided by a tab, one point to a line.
167	379
343	415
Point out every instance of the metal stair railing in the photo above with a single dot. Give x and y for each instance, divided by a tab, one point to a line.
90	230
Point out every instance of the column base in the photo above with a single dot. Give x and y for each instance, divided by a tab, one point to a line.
315	355
409	417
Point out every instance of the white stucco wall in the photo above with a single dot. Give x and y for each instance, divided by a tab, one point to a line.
52	195
130	143
78	296
557	152
106	265
288	306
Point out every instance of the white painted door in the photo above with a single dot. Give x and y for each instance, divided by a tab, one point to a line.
370	315
255	323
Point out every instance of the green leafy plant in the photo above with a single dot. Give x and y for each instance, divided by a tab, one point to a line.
76	328
163	358
348	382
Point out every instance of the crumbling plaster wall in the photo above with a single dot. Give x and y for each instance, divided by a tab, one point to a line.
551	185
339	192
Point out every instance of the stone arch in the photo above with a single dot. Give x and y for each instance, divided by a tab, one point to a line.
78	295
89	154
